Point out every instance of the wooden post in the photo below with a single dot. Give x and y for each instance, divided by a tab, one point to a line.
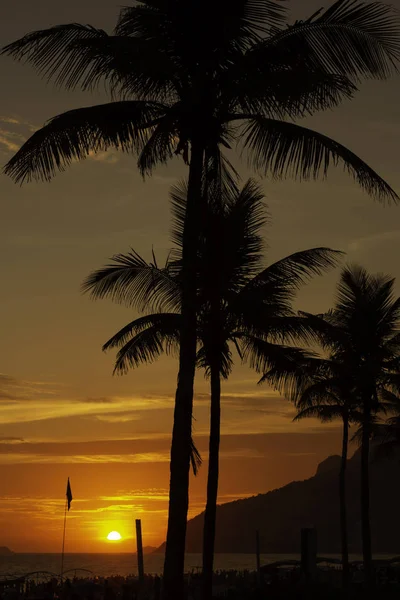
139	546
258	557
309	553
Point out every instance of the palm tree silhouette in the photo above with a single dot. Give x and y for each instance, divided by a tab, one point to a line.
181	91
362	335
387	435
250	310
325	391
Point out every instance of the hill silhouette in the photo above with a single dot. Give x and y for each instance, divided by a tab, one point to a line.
281	513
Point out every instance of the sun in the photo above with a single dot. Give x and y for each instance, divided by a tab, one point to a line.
114	536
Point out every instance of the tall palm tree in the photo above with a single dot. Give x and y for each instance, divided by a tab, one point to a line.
190	77
362	334
326	393
250	310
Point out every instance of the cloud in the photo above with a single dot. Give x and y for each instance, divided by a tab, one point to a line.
150	457
119	417
29	401
7	142
14	133
101	400
20	390
110	157
370	242
19	122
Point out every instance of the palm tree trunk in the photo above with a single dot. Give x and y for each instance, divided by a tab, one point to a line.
343	503
365	510
182	430
210	514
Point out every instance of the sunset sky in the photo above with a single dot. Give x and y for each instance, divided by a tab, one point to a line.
62	413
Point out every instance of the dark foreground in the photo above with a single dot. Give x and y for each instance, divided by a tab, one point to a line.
274	582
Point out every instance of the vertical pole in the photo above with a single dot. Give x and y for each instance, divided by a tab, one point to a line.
63	544
139	545
258	557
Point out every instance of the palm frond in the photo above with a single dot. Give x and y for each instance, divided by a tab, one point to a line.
241	233
53	51
143	20
282	91
224	357
148	338
76	134
229	24
324	412
178	199
352	38
167	323
118	62
257	17
195	458
160	146
221	179
321	391
329	334
130	280
265	357
285	149
282	279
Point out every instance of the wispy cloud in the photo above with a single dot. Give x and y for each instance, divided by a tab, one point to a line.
7	141
25	401
367	243
150	457
110	157
13	133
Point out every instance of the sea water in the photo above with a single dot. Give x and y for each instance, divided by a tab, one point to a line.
107	565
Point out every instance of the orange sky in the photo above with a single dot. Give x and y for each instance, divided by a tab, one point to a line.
61	411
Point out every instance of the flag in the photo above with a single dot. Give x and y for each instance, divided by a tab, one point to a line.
69	494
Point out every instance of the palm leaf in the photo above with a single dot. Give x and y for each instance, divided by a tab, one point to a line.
167	323
282	279
255	86
118	61
352	38
325	413
229	24
203	360
77	133
285	149
264	356
130	280
53	53
148	338
161	145
195	458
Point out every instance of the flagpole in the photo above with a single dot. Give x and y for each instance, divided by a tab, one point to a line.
63	544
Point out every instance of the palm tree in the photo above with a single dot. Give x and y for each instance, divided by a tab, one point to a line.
250	310
387	435
177	90
362	335
326	393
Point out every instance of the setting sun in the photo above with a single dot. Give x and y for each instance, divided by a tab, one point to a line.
114	536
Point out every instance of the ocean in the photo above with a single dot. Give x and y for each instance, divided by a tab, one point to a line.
106	565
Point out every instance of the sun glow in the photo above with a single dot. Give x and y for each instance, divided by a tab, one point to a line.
114	536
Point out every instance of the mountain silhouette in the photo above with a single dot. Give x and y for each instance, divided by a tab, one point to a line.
279	515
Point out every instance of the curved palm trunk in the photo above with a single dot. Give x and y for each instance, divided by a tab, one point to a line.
210	514
365	516
181	435
343	503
